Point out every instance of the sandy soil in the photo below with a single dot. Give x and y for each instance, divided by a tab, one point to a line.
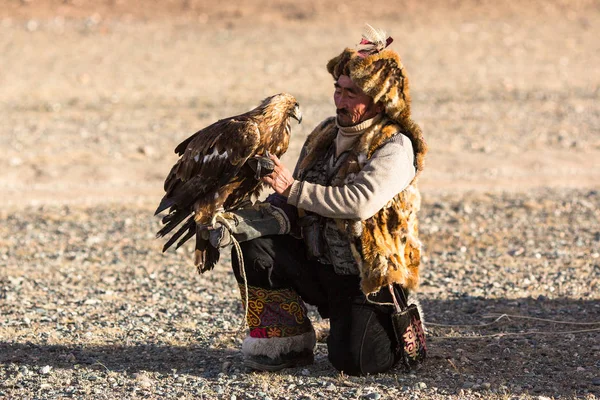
95	95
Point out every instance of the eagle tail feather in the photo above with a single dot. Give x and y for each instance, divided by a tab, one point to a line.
191	232
164	204
175	213
189	224
174	219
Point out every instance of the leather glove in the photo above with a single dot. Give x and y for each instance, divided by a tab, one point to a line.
262	166
261	219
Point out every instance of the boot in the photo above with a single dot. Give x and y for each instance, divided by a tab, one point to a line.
280	333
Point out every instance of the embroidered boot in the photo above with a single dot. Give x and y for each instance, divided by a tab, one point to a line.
281	335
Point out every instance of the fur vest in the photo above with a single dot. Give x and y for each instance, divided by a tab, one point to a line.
385	247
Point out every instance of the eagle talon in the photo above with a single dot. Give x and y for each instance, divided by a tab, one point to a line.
258	168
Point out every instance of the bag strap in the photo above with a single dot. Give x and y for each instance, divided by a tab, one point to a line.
398	305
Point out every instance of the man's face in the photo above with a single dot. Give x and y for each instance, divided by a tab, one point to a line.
352	104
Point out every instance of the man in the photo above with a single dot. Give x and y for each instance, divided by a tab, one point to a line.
350	210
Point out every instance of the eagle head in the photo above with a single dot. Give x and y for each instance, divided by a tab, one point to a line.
283	106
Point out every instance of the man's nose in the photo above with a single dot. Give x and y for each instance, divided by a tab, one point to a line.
343	101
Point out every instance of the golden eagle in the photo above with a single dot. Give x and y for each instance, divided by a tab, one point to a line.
219	169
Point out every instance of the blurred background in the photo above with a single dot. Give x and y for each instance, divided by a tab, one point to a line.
95	95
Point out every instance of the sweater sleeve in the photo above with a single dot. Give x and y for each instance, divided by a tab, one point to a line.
389	171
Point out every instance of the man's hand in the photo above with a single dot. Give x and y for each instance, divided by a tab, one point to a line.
280	179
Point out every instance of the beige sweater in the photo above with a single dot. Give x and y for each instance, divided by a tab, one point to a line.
348	135
389	171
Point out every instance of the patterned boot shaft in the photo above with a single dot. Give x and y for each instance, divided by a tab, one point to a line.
275	313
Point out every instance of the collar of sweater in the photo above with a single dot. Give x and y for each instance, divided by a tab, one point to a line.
358	128
347	135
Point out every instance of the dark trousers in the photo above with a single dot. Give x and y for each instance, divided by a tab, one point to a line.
361	339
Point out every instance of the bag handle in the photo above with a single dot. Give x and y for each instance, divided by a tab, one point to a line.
401	305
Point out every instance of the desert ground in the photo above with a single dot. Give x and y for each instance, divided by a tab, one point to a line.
95	95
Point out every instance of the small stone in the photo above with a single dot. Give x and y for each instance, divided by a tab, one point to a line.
421	385
467	385
486	385
596	381
331	387
146	150
45	370
32	25
143	381
372	396
305	372
15	161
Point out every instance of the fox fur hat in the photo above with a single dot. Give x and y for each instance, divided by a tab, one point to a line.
380	75
379	72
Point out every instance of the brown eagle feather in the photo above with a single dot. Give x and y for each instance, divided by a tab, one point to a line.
213	175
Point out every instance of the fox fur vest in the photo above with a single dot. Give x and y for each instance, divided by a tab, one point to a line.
386	246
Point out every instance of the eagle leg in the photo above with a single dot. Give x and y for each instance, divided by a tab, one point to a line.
205	255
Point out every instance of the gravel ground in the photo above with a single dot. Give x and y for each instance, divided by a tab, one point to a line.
95	95
91	308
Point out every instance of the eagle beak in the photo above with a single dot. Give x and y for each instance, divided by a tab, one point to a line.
297	114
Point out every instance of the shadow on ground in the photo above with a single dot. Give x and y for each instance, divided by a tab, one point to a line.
513	354
130	358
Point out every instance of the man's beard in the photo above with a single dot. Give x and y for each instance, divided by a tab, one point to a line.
344	117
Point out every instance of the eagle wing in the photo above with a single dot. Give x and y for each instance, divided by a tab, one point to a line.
209	159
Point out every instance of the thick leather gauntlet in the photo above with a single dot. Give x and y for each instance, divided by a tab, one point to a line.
262	166
248	223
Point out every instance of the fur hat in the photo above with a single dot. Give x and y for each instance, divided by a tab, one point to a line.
379	72
380	75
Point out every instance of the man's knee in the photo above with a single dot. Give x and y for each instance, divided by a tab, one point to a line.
344	358
366	348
